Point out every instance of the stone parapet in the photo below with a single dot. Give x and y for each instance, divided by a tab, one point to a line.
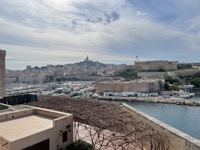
177	139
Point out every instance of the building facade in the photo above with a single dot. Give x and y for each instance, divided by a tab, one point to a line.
2	73
32	128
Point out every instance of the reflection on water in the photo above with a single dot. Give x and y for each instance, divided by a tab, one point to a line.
184	118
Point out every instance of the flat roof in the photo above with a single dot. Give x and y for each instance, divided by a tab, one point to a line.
12	130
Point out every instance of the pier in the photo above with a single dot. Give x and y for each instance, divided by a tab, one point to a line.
172	100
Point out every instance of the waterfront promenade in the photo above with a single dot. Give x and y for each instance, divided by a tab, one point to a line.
160	99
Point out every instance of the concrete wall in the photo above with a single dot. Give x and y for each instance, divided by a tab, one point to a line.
2	73
178	140
129	86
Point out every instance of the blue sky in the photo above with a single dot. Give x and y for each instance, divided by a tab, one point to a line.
41	32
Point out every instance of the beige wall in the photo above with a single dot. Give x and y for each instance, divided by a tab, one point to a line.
61	122
54	135
2	73
129	86
4	145
178	139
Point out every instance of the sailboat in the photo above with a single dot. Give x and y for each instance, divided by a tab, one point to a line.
183	94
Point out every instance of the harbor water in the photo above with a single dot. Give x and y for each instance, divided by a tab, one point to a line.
182	117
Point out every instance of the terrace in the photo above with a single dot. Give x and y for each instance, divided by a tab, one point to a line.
106	125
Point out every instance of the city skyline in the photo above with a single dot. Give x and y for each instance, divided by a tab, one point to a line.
38	33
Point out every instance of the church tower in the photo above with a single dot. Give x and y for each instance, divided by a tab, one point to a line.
86	59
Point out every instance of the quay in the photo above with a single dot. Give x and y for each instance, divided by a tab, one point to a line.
172	100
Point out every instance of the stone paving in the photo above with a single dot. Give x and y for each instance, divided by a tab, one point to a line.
84	135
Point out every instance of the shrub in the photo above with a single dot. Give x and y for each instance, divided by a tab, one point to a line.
79	145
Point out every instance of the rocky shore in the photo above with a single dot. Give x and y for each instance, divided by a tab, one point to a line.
172	100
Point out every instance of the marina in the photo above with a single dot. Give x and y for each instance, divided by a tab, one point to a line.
177	112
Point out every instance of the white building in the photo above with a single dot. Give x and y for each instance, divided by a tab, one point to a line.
32	128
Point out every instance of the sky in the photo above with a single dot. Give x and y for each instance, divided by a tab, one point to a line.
41	32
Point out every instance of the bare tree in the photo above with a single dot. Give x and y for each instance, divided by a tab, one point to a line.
126	131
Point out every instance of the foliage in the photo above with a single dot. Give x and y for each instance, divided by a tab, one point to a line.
36	67
191	79
59	66
128	74
174	87
43	67
161	70
195	82
158	70
79	145
184	66
166	86
194	79
171	80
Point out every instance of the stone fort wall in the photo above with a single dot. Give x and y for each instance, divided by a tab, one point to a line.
155	65
143	86
187	72
152	75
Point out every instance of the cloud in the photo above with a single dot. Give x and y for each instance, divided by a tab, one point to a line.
109	31
139	13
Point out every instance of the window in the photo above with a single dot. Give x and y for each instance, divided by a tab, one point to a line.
64	136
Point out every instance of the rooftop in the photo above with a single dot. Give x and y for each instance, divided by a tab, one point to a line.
22	121
15	129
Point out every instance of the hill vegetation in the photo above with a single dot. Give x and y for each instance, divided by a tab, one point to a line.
194	79
184	66
128	74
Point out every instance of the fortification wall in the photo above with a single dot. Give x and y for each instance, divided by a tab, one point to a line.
132	86
155	65
152	75
2	73
178	140
187	72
